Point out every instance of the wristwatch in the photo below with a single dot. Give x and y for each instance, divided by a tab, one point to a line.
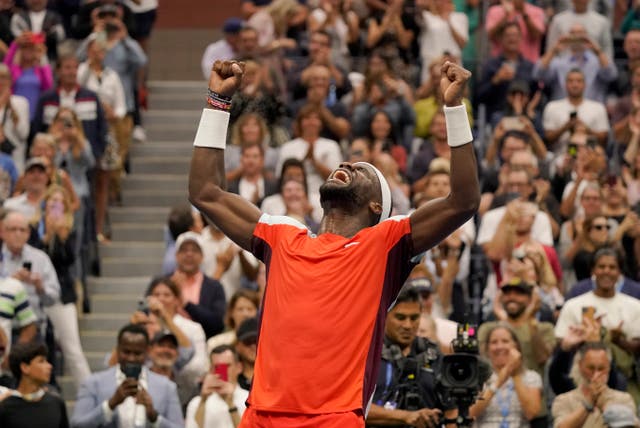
588	407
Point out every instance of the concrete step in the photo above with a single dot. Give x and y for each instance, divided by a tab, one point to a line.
114	285
154	197
162	164
133	249
159	149
145	232
103	321
183	118
172	131
123	303
195	88
97	360
68	389
130	266
98	340
177	101
156	214
168	182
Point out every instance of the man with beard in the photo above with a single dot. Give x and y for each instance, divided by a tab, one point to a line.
163	354
325	302
520	306
587	404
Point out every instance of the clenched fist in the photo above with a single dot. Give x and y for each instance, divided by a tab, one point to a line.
453	81
225	77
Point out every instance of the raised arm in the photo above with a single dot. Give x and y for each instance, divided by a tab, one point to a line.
437	219
232	214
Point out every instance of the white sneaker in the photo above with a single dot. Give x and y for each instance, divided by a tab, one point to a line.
139	134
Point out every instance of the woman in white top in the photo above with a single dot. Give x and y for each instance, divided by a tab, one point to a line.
513	394
14	120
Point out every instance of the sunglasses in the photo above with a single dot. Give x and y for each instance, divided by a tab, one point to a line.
601	227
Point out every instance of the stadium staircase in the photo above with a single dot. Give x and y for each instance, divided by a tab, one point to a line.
157	181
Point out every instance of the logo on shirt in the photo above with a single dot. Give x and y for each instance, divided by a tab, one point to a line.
351	244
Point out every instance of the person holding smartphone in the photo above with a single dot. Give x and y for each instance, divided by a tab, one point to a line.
221	402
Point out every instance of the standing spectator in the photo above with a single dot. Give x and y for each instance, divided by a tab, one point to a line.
35	181
514	393
598	27
15	312
202	297
530	19
14	128
222	401
576	50
564	116
182	218
86	105
225	48
91	13
592	403
384	139
249	129
30	77
341	22
144	16
320	155
594	235
443	30
254	184
31	405
38	19
501	70
115	398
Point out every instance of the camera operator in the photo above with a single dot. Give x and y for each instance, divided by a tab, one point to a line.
406	386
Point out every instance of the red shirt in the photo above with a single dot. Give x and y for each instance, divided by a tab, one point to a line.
323	314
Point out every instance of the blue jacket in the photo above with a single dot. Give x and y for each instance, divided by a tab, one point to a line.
99	387
88	109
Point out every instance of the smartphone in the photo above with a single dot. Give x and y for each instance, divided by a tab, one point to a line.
222	371
589	312
143	306
573	115
512	122
131	370
572	150
27	266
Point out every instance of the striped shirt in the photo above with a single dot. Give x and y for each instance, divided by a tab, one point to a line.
15	310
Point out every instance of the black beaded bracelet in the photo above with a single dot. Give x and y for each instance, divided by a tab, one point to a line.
233	409
217	96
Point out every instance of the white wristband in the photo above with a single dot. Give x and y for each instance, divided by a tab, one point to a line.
212	130
458	128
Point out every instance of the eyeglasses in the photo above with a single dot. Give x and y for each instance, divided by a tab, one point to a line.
601	227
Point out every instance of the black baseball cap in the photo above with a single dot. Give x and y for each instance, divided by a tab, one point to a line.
247	332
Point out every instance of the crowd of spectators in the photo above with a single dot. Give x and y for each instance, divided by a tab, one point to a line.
548	269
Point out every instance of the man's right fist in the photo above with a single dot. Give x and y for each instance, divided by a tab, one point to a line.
225	77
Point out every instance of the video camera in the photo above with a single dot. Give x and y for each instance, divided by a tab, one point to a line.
463	373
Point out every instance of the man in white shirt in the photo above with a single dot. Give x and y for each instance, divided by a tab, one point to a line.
225	48
221	402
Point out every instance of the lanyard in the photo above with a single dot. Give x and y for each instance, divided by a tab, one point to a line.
505	405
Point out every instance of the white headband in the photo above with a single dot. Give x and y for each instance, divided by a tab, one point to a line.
384	189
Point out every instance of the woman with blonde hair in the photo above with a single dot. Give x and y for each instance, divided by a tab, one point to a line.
249	129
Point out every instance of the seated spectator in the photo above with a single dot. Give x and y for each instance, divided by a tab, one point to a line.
31	405
598	27
575	113
16	316
500	71
360	150
443	29
320	155
435	146
202	297
254	183
511	387
112	395
378	97
391	405
317	80
182	218
626	285
242	305
163	354
297	205
400	189
518	302
519	127
383	140
381	66
246	346
576	50
292	168
592	402
619	329
341	22
14	128
530	19
221	403
249	129
630	173
29	76
224	49
226	262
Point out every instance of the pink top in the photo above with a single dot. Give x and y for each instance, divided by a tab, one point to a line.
191	288
42	71
530	47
